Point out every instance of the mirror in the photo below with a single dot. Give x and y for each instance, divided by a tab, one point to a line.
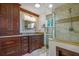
29	25
29	22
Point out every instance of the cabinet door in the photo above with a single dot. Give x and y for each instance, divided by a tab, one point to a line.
39	41
24	45
10	46
0	48
11	51
9	13
3	19
6	12
32	43
41	44
16	19
3	25
64	52
35	42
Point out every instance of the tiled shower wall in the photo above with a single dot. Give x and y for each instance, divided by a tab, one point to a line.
62	29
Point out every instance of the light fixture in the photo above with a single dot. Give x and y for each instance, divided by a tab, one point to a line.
37	5
50	5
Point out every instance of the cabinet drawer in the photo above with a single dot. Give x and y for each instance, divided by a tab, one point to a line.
0	52
10	41
24	45
25	50
25	41
10	51
25	37
8	46
36	37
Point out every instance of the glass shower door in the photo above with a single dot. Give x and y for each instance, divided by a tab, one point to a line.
49	29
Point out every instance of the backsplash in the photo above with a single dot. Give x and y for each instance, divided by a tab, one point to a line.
62	29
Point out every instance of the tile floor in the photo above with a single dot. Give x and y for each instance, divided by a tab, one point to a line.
51	51
39	52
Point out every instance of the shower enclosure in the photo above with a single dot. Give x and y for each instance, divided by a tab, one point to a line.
49	30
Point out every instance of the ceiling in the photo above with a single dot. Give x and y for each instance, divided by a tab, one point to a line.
43	9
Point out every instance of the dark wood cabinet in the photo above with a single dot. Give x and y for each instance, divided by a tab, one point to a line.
10	46
17	46
0	49
64	52
35	42
9	18
24	45
9	25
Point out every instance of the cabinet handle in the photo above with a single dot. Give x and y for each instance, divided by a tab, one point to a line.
11	52
11	42
24	37
25	45
25	49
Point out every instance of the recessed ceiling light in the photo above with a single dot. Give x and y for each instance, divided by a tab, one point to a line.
50	5
37	5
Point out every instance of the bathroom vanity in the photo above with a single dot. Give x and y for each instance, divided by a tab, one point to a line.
16	45
12	42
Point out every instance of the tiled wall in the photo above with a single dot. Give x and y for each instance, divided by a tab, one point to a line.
62	29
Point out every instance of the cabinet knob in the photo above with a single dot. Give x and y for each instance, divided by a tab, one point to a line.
24	37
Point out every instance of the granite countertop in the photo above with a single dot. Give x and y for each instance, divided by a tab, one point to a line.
72	46
76	43
25	34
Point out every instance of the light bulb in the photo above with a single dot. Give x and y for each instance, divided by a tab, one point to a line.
50	5
37	5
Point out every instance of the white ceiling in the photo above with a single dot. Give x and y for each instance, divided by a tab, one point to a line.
44	9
